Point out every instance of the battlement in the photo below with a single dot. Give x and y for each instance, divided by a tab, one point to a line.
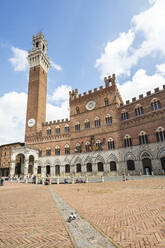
141	96
109	82
39	36
49	123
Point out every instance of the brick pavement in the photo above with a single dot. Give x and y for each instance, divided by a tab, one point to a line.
132	213
29	218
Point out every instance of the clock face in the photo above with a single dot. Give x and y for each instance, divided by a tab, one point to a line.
31	122
90	105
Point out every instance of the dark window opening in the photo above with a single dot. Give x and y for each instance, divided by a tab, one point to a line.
113	166
87	125
97	123
130	165
48	152
78	168
77	127
100	166
67	168
89	167
108	120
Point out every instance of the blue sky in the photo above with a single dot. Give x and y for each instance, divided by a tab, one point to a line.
87	40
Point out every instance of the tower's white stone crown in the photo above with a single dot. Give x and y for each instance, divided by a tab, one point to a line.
38	55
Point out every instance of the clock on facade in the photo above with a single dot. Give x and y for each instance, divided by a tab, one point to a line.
31	122
90	105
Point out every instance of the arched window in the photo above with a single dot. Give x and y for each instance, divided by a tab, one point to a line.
78	148
106	101
39	170
77	110
89	167
40	153
67	168
100	166
48	131
57	130
155	104
111	144
66	128
67	149
87	124
108	119
77	127
97	122
130	165
163	163
78	168
88	147
124	115
160	134
127	140
57	150
48	151
47	170
98	146
113	166
139	110
143	138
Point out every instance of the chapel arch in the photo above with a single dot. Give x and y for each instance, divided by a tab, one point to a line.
19	164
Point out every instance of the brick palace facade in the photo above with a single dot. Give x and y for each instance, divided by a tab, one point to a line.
103	136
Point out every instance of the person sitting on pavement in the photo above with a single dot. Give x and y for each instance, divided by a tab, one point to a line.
72	216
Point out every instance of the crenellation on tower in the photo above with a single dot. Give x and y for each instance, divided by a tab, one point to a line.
38	55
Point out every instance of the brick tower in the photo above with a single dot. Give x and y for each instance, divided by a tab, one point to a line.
37	90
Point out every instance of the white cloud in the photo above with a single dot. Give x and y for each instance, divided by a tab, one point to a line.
59	109
12	112
151	24
57	112
55	66
121	55
116	56
61	93
19	59
141	83
161	69
152	1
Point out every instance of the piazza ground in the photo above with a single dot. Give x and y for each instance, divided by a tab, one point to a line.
131	213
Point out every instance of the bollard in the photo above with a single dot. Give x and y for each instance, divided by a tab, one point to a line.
50	182
72	180
58	180
102	178
86	180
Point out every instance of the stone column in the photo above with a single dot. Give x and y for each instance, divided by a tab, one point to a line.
73	180
121	168
12	168
52	171
83	168
62	170
26	167
35	168
73	169
107	168
43	171
138	169
94	168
